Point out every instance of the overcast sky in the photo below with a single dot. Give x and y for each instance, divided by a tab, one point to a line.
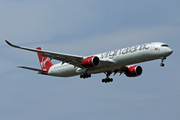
83	28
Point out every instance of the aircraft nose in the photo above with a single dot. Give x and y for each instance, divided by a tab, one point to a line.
169	51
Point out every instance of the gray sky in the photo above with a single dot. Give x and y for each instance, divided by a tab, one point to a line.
83	28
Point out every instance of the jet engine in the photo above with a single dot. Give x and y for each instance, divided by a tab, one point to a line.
133	71
90	62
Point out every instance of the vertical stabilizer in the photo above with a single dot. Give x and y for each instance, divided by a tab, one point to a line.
45	63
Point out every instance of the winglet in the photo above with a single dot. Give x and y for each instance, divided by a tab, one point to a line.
11	44
8	42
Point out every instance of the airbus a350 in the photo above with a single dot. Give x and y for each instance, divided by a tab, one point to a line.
112	62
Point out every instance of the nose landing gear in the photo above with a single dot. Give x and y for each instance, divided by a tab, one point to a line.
162	60
162	64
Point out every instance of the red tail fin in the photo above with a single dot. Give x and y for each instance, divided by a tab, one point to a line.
44	61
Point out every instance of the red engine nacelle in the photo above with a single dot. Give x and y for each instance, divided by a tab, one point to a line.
90	62
133	71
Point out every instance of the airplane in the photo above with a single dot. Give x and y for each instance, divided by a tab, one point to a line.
117	61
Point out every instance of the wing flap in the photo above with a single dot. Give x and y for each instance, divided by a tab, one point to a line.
120	70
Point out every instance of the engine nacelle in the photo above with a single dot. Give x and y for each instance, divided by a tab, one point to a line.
90	62
133	71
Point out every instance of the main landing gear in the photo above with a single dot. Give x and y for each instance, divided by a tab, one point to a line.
162	60
107	79
85	75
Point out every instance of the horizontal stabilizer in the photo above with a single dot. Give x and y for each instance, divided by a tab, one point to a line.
34	69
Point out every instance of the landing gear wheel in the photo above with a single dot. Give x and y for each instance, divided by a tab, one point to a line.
81	76
162	64
85	75
106	80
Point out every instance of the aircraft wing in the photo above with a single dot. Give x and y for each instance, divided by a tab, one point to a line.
65	58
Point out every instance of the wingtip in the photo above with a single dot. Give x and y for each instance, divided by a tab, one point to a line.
8	42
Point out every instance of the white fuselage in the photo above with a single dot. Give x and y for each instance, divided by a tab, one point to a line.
119	58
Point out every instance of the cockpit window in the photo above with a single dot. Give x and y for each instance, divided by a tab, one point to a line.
164	45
